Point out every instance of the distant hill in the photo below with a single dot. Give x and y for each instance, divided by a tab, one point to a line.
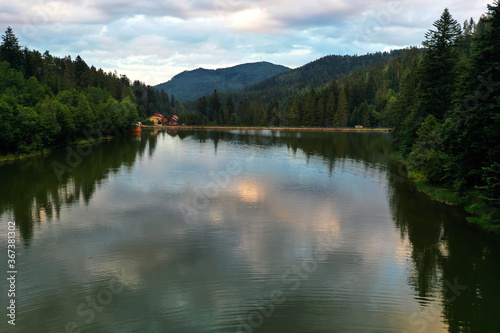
190	85
314	74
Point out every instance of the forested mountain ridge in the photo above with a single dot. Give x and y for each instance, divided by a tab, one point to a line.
320	71
189	85
299	98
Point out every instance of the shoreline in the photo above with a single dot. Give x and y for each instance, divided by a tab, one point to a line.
81	142
13	157
246	128
480	212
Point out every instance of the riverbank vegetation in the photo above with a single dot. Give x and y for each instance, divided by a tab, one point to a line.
449	115
47	101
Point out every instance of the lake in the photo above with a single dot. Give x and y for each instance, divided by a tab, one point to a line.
238	231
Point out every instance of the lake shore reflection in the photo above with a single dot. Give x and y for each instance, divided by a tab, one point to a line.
310	231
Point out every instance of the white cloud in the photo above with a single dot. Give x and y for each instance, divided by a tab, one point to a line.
154	40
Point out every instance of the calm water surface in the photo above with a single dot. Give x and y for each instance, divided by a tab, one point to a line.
257	231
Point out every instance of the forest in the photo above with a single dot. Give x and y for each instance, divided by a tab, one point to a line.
47	101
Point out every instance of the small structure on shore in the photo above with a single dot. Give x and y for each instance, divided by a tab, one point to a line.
358	126
158	118
173	120
136	127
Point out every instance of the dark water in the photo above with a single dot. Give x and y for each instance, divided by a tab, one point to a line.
239	232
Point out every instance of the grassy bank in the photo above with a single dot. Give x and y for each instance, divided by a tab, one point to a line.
483	216
12	157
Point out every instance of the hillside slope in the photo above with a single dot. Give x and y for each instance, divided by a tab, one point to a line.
189	85
314	74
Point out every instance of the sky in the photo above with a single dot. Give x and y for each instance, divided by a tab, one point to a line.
152	41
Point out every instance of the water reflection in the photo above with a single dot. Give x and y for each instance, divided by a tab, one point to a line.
43	193
451	261
377	255
32	191
367	148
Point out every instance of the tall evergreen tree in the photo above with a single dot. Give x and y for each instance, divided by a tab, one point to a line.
214	106
230	105
342	114
438	75
81	69
475	130
365	113
202	105
295	118
309	109
10	50
330	109
437	78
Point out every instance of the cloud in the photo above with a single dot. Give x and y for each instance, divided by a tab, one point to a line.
154	40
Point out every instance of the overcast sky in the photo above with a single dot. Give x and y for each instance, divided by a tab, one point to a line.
152	41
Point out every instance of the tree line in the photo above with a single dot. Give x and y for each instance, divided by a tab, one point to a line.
47	101
446	117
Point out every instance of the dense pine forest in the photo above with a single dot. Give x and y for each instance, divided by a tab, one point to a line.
48	101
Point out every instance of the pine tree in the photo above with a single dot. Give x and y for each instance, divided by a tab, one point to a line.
342	114
426	156
365	112
446	34
438	75
475	133
260	114
437	79
230	105
10	50
214	106
295	119
320	112
330	109
202	105
403	105
81	69
309	109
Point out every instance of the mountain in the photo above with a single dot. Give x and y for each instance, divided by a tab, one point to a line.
189	85
314	74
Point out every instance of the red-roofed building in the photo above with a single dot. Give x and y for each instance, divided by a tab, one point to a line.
158	118
174	120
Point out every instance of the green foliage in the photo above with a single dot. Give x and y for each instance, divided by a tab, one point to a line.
445	36
314	74
365	111
295	101
426	155
10	50
235	120
476	132
192	118
448	125
47	101
438	72
189	85
342	113
151	123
